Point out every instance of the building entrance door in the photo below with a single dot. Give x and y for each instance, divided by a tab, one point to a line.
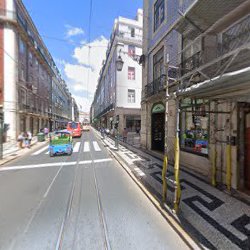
247	152
158	131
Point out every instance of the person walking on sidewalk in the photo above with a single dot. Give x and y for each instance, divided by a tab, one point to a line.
20	140
29	138
125	135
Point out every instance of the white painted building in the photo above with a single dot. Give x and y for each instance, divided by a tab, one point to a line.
118	94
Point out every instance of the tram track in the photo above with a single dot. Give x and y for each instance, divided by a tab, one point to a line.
101	215
59	244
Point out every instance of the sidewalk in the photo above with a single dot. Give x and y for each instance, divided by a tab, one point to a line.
215	219
11	150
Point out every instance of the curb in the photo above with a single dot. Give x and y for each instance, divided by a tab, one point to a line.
18	154
190	242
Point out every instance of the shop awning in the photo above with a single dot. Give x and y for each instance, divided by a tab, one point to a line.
229	85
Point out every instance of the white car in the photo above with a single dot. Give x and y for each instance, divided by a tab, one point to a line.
85	127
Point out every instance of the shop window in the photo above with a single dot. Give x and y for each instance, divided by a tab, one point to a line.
194	126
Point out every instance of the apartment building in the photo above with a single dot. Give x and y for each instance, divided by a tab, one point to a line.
118	93
210	91
27	70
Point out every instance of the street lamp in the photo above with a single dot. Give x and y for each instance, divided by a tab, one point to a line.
119	63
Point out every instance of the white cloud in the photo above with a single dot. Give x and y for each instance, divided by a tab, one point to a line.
73	31
83	75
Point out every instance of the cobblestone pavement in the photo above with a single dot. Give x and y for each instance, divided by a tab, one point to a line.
216	219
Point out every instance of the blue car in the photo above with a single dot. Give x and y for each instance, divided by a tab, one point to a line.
60	143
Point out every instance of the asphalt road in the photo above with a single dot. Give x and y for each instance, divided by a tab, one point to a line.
82	201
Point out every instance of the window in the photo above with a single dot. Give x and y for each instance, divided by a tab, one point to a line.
194	126
131	73
132	31
131	96
158	62
159	13
131	50
21	46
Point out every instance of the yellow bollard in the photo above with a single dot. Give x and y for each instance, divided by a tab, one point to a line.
163	176
214	170
229	167
177	176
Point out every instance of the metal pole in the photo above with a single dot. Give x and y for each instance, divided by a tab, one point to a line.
116	140
165	162
177	160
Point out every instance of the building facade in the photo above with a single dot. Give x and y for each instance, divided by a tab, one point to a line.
118	94
27	73
210	92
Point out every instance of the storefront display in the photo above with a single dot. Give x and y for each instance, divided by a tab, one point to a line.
194	126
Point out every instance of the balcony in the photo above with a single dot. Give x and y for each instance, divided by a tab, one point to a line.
6	15
127	36
155	87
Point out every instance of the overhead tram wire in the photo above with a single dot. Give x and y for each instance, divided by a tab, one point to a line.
89	49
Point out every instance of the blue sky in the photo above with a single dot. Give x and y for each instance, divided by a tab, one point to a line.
68	21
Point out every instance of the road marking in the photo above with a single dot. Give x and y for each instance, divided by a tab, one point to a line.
86	147
102	160
77	147
56	164
52	182
40	150
96	146
85	162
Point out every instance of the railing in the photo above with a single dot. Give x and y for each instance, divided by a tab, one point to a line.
105	111
156	86
7	14
127	35
191	63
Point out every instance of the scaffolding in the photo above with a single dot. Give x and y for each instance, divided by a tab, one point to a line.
213	65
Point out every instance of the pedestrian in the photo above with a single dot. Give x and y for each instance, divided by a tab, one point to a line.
46	131
103	132
125	135
26	140
29	138
20	140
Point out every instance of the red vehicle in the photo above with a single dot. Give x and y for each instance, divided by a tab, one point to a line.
75	129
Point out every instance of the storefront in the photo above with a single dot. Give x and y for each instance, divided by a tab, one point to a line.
194	126
133	123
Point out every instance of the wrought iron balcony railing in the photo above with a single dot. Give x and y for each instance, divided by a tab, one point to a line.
156	86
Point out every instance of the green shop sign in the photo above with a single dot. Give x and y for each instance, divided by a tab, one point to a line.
158	108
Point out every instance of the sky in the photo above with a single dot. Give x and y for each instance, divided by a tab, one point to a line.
64	27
